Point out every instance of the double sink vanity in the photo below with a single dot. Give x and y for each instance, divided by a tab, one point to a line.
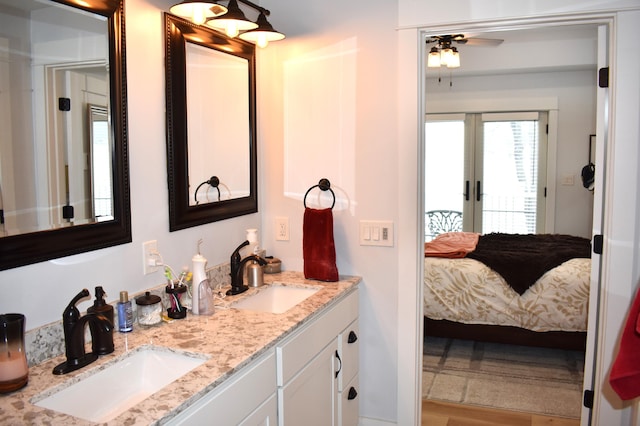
282	354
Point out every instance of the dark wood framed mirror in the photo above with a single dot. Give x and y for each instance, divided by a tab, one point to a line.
48	205
211	125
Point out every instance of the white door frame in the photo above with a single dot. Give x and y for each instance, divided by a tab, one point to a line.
409	376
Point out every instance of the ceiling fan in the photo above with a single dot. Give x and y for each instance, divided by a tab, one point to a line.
448	40
443	54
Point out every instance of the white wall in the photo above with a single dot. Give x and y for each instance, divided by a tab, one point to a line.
574	93
358	42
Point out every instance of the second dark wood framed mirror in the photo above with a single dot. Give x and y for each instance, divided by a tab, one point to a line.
62	59
211	125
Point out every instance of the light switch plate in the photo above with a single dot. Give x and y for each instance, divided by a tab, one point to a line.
376	233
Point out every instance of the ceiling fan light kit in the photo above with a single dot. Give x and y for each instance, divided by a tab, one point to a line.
443	54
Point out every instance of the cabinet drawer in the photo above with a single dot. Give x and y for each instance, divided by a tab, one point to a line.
349	403
297	350
236	398
350	353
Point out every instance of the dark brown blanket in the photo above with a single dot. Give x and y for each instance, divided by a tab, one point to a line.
522	259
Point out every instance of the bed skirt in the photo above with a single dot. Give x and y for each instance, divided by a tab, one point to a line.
568	340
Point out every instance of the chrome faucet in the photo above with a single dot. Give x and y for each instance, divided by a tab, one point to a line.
74	327
237	268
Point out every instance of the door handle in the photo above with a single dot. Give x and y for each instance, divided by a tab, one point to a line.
478	191
352	337
466	190
339	365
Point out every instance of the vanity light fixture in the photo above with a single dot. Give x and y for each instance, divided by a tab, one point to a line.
262	35
232	22
198	11
229	19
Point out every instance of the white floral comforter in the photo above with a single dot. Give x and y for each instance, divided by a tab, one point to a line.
467	291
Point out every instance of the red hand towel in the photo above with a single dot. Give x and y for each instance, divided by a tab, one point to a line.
318	247
625	372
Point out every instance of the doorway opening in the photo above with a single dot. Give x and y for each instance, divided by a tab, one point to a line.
561	164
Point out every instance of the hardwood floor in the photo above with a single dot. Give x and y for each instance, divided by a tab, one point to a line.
435	413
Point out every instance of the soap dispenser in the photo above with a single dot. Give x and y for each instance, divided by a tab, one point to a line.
102	341
253	272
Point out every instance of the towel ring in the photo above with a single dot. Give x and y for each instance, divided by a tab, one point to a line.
213	181
324	185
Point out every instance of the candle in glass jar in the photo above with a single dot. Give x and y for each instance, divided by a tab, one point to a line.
12	366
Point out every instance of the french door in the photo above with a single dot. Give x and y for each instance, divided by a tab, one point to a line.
491	167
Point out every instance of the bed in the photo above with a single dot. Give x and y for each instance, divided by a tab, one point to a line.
465	297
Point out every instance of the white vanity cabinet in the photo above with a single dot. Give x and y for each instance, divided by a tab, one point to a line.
317	367
248	398
310	378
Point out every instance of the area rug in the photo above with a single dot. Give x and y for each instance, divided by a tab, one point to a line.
510	377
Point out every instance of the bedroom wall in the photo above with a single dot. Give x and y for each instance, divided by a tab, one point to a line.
575	93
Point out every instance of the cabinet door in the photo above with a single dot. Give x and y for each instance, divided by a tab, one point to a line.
265	415
310	397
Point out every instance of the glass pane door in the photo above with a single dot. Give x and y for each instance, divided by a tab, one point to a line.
444	176
509	169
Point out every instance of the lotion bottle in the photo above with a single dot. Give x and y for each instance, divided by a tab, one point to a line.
125	313
253	247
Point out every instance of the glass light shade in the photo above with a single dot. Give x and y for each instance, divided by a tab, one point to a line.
433	60
454	59
198	11
262	35
232	22
445	56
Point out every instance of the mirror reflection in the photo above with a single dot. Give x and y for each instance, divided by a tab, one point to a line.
53	67
64	186
211	131
218	124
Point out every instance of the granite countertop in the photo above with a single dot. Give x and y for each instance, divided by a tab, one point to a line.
230	338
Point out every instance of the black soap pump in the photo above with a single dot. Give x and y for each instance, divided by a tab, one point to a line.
102	342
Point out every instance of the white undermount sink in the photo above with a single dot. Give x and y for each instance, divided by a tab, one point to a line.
275	299
104	395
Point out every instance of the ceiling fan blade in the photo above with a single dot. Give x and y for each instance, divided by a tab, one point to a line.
480	41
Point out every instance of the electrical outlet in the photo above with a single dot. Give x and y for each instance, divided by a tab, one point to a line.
149	257
282	229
